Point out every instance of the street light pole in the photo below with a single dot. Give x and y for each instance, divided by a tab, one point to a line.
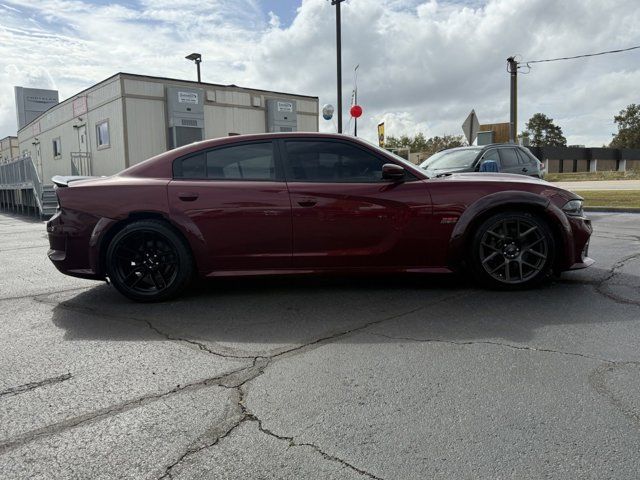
196	57
339	60
513	117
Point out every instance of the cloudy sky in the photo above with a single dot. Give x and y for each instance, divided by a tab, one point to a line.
423	64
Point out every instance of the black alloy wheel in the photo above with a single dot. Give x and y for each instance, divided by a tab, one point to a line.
147	261
513	250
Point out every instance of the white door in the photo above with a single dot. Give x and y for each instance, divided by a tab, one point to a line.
80	160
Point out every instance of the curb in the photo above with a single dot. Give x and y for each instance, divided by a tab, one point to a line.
612	209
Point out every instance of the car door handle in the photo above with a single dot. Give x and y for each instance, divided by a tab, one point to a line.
307	202
188	196
525	170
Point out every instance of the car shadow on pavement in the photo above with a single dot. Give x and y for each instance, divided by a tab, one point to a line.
259	316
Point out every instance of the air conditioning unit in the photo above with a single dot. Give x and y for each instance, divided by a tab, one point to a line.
281	115
185	115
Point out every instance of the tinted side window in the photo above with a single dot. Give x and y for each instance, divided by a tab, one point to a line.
528	157
508	157
325	161
491	155
192	166
243	162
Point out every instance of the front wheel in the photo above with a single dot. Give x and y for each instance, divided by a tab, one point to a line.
148	262
512	250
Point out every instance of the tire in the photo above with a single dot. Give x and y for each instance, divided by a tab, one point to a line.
512	250
147	261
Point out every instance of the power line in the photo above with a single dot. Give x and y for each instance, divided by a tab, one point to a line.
582	56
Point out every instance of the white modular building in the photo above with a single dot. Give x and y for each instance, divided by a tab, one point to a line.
8	149
128	118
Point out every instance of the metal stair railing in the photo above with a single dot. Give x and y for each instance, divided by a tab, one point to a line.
21	174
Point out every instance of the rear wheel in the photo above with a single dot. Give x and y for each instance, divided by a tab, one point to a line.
512	250
147	261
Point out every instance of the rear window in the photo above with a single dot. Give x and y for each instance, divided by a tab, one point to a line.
527	156
509	157
254	161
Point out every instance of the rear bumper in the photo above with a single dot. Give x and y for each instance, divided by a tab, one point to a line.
70	237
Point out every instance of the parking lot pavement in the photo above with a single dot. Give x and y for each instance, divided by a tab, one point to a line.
389	377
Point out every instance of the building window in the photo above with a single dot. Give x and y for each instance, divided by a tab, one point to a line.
102	134
57	148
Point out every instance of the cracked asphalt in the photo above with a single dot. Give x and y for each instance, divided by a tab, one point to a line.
342	378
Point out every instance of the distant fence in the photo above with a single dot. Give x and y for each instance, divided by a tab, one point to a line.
574	159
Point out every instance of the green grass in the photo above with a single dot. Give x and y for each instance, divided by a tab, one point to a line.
582	176
611	198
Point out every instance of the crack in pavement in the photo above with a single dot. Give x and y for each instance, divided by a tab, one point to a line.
11	391
233	379
67	305
613	271
500	344
293	443
245	415
27	437
36	296
249	416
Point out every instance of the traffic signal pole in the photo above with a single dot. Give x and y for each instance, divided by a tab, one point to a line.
513	117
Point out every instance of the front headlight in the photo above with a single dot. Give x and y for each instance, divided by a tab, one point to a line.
573	208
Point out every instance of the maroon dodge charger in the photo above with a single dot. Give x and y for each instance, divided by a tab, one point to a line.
308	203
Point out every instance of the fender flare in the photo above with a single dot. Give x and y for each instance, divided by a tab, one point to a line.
183	224
507	200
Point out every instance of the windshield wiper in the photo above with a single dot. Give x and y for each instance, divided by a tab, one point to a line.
446	174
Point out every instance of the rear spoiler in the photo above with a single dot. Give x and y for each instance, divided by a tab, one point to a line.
64	181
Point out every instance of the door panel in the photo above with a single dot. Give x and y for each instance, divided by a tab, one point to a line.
360	224
346	215
239	202
246	225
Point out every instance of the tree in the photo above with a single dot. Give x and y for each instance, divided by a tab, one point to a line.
419	144
542	132
628	121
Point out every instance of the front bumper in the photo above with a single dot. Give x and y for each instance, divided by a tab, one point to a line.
581	230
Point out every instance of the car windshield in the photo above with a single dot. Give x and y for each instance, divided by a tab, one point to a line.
451	159
388	152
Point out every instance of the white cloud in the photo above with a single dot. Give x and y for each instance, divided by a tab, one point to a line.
423	64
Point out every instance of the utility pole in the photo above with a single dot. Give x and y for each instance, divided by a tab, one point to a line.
339	60
513	119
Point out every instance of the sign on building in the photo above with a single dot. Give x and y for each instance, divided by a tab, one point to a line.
80	106
188	97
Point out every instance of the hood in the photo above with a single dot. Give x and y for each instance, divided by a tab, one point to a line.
437	171
494	177
508	178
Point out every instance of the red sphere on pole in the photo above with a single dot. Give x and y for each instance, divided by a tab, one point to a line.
356	111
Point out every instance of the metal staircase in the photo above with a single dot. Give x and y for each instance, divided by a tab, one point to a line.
22	191
49	203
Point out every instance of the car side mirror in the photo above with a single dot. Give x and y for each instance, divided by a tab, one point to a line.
391	171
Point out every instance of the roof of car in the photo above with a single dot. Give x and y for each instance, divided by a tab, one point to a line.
474	147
